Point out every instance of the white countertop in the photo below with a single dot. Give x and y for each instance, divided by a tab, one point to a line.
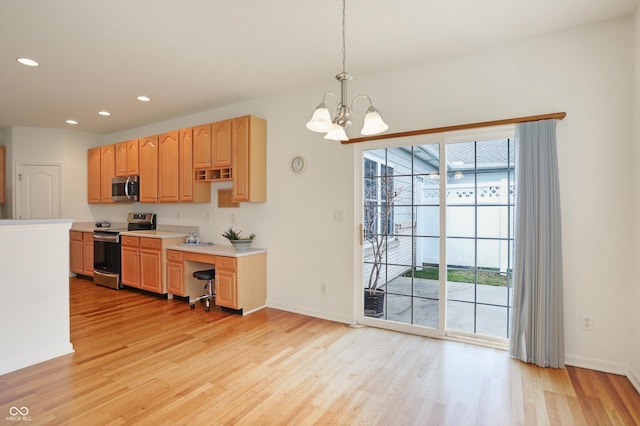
217	250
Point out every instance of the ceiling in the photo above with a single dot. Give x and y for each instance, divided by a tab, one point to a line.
194	55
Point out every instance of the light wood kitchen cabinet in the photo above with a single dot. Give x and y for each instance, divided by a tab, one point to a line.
143	260
168	168
75	252
127	157
202	146
93	176
221	144
241	282
107	172
151	265
189	189
249	159
226	282
3	175
87	253
149	170
81	252
212	145
175	273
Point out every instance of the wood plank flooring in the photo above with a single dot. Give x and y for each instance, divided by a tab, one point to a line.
144	360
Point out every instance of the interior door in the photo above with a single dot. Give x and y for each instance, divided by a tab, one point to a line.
37	191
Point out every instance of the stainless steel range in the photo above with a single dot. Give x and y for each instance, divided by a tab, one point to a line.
106	249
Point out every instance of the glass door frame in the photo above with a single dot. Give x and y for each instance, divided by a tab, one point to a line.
442	139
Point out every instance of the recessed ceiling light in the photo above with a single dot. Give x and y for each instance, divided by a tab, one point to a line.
28	61
71	122
143	98
104	113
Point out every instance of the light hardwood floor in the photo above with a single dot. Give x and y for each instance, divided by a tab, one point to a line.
144	360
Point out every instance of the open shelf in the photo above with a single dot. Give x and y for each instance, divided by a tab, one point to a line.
213	175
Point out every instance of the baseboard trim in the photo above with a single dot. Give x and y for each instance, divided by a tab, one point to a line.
635	380
310	312
14	364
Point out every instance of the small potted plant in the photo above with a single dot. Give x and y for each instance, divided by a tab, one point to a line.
236	239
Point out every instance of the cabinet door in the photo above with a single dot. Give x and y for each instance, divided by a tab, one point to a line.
175	280
240	156
202	146
93	176
121	159
87	253
221	144
149	170
133	157
75	252
168	163
226	292
150	270
185	145
131	266
107	172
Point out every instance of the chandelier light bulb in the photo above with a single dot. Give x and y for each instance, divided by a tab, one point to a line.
321	120
373	123
336	133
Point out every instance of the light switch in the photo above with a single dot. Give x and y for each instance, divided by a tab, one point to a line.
338	215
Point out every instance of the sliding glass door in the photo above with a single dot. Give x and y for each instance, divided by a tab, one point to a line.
438	235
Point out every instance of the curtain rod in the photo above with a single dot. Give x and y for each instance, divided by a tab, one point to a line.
555	115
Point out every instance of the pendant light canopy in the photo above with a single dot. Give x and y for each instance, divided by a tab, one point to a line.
321	120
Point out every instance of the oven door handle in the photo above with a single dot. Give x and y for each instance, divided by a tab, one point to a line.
106	238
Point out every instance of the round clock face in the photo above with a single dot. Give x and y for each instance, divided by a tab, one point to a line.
298	164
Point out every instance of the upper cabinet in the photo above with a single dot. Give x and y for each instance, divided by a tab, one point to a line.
93	176
249	159
168	165
3	179
149	170
127	155
212	145
107	172
179	166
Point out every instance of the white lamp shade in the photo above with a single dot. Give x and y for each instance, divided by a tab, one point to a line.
336	133
321	120
373	123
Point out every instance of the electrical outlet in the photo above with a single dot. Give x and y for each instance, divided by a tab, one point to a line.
323	288
587	322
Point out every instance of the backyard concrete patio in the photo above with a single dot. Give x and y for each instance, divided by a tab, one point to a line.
423	307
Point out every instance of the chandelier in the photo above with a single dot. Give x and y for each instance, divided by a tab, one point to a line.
321	120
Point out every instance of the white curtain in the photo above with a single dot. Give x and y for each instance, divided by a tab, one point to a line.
537	325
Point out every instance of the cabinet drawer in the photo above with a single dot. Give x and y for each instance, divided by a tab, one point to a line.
75	235
174	256
227	263
87	236
151	243
128	241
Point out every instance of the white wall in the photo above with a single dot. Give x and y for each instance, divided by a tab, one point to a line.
57	146
586	72
634	284
35	294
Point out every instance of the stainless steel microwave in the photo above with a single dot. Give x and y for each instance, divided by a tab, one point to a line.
125	188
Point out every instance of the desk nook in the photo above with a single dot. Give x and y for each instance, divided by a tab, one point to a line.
240	277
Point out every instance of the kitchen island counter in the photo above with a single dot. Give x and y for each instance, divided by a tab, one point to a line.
216	250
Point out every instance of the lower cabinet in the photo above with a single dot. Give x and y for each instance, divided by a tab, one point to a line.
142	260
175	273
81	252
240	281
226	283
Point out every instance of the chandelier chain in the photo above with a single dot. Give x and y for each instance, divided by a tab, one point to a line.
344	37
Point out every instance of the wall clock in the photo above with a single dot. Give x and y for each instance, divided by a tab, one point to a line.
298	164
